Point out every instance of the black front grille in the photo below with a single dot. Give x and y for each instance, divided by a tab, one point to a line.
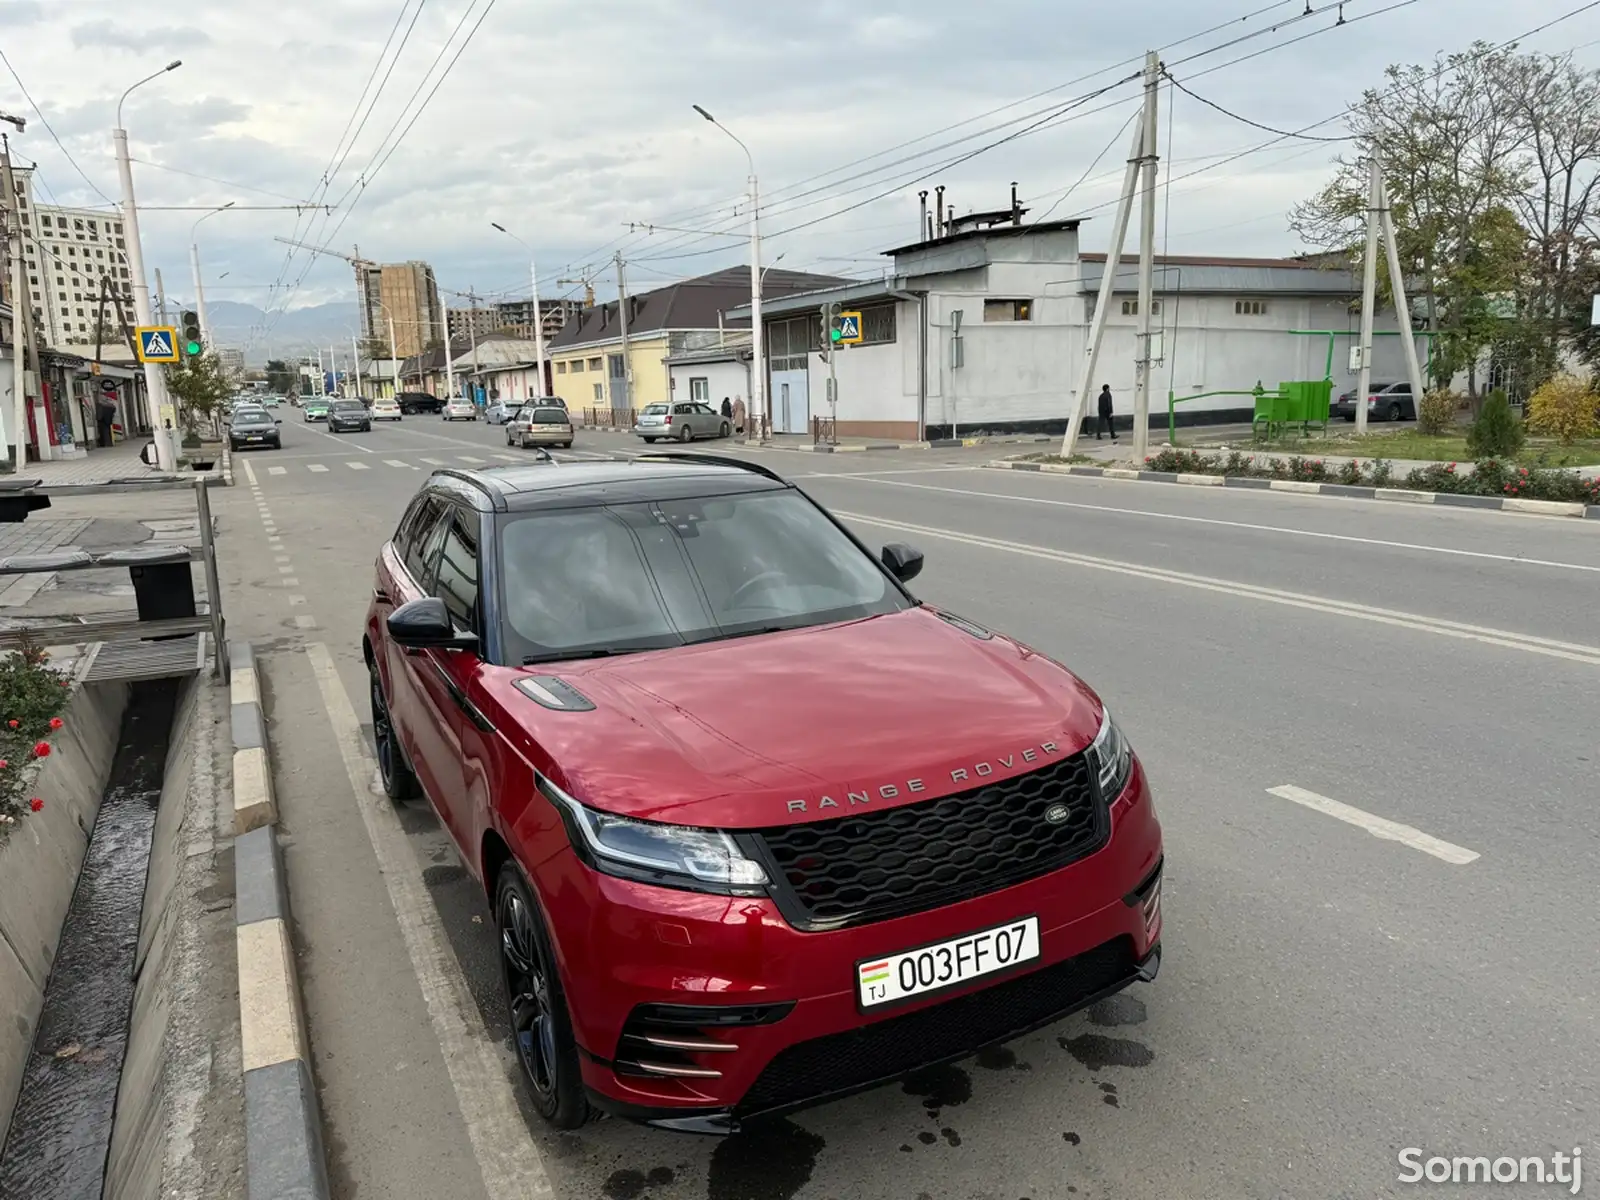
875	865
858	1058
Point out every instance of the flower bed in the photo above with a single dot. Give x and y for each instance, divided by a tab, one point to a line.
1490	477
32	695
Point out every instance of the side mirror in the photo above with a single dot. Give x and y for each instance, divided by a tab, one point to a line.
277	420
904	562
425	624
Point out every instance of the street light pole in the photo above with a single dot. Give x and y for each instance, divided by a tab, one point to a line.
194	266
538	316
154	378
758	384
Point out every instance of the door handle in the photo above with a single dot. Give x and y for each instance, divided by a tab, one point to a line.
381	596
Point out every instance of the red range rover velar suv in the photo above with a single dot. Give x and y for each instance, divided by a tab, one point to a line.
757	827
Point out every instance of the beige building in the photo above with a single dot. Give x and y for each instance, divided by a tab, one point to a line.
405	294
67	253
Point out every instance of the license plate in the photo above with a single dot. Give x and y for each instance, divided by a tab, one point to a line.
551	428
944	965
253	438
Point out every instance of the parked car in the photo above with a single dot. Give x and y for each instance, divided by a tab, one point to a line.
538	425
500	411
254	427
683	420
571	665
419	402
349	414
1385	402
315	409
460	409
385	410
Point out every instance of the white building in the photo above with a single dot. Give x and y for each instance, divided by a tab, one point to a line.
1023	296
712	375
68	252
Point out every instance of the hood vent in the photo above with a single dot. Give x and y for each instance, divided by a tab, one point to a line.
557	694
966	626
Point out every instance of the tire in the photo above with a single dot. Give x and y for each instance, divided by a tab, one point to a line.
724	430
508	437
683	433
399	783
541	1028
649	441
1395	411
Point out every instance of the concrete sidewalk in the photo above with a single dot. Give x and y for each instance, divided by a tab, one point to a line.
115	464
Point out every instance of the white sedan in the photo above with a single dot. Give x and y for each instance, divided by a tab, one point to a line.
460	409
385	410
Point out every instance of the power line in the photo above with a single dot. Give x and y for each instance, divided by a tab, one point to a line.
1246	120
39	112
1120	130
244	187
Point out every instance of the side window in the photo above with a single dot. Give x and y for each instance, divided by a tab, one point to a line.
456	576
683	409
411	528
420	552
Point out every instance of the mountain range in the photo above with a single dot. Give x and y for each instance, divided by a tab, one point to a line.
293	333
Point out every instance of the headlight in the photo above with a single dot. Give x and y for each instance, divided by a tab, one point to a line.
702	860
1113	758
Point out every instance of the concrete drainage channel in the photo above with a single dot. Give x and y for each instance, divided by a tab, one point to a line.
115	1064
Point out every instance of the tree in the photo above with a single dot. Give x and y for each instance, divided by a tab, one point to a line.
201	387
1445	136
281	377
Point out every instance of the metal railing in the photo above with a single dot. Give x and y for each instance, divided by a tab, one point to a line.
824	430
609	418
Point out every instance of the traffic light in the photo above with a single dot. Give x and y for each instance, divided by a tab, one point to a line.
192	343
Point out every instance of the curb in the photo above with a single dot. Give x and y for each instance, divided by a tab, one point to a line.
1543	508
823	448
254	804
283	1124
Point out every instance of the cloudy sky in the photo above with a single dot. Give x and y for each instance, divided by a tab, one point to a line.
566	121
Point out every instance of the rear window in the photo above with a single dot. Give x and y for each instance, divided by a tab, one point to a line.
654	410
549	416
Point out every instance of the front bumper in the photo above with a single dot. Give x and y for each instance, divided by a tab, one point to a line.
623	945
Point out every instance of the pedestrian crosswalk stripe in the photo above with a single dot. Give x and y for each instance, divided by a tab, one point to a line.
434	462
356	466
277	470
509	457
467	458
395	462
316	467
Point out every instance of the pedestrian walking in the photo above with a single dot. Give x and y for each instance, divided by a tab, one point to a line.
1106	411
727	407
738	413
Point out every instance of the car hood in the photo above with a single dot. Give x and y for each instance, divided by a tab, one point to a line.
807	724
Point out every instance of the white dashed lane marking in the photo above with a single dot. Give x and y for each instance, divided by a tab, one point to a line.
395	462
316	467
277	470
357	466
468	458
1378	827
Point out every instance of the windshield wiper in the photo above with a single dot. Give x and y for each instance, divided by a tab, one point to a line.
574	655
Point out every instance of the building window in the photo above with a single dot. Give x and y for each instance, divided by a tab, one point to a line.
594	364
599	393
33	279
700	388
80	311
117	228
77	224
72	251
1250	308
561	368
1130	308
44	220
1007	310
36	294
577	366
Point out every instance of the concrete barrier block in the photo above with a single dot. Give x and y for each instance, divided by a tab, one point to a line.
1592	512
284	1152
1355	491
1119	473
1201	480
1452	500
269	1002
1403	495
1547	508
1295	485
243	686
253	801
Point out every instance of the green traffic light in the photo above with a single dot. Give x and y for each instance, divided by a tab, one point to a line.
191	348
835	334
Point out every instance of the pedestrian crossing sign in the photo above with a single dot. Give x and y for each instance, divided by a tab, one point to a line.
158	344
850	328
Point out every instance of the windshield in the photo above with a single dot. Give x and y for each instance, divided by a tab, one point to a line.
646	576
252	418
349	406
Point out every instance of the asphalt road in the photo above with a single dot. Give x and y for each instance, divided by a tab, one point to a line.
1295	671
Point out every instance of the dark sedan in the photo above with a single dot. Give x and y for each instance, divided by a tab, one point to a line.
1385	402
349	414
254	427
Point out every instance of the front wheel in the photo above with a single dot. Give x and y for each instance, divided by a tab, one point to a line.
724	431
399	783
541	1029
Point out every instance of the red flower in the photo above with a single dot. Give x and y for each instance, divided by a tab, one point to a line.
41	749
56	722
3	764
13	723
36	804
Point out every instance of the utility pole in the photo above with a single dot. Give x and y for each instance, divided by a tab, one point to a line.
161	297
1102	308
355	357
1143	363
622	313
1402	307
1369	290
472	329
25	377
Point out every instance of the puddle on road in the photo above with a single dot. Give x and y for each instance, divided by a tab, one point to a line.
61	1127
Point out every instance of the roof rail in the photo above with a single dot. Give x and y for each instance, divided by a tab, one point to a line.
721	460
476	480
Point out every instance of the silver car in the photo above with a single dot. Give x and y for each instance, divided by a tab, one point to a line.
460	409
539	425
684	420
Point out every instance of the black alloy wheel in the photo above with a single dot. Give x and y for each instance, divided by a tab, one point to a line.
541	1030
1395	411
398	781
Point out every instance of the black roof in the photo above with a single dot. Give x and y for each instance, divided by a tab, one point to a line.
665	476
